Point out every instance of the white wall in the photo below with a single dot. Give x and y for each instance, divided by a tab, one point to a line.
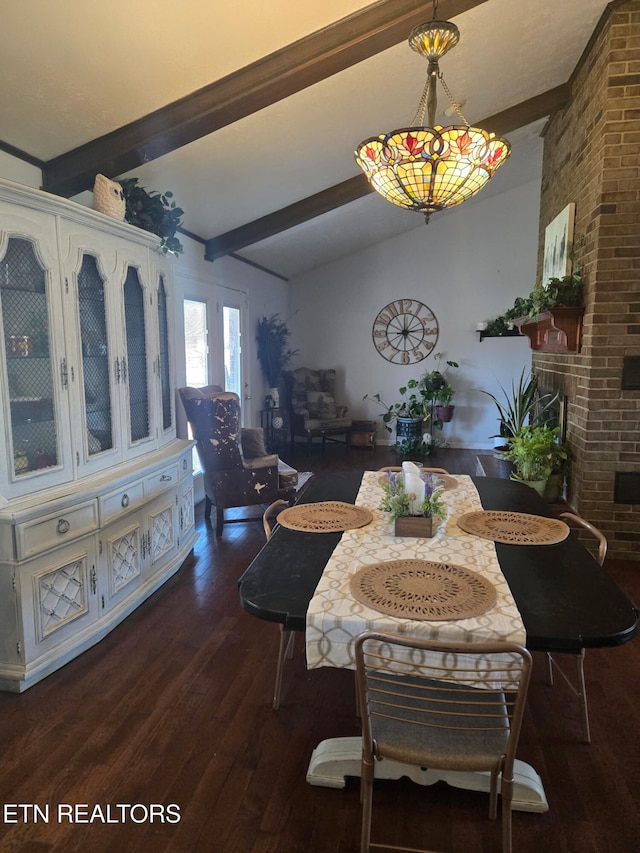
13	169
467	265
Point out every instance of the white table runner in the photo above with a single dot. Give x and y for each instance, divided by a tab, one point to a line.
335	618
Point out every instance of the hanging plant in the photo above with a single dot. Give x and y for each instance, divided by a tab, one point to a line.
154	212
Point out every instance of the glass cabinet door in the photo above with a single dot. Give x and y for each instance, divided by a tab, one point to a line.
95	357
25	325
163	359
134	367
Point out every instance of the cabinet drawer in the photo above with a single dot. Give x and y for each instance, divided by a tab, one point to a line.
161	480
34	537
121	502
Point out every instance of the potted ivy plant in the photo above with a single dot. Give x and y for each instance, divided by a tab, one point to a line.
440	390
533	452
155	212
274	352
409	415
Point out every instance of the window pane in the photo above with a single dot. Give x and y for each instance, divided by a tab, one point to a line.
232	371
195	342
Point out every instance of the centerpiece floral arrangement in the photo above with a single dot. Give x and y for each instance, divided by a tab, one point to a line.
404	497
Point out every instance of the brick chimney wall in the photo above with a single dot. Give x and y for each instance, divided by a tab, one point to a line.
592	158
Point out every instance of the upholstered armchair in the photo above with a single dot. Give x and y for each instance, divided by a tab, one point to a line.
312	406
237	469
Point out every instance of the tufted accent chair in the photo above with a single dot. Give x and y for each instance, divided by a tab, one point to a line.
237	469
312	406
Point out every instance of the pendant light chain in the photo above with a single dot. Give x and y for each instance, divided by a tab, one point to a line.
454	104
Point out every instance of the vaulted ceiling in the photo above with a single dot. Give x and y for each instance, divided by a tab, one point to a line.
249	112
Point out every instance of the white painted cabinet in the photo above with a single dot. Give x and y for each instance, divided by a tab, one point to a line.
99	490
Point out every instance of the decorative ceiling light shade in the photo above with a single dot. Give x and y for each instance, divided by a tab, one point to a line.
431	168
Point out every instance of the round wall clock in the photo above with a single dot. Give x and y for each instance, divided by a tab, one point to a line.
405	331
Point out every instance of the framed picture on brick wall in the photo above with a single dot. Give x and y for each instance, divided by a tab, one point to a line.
558	242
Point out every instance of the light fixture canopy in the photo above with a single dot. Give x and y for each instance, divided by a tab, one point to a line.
429	168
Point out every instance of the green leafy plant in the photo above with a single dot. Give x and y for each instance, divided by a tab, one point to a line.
436	384
274	353
518	405
415	403
533	451
396	500
154	212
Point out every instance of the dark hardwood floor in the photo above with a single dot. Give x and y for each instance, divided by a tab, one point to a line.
174	707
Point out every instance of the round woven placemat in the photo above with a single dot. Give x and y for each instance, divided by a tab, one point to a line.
325	517
417	589
514	528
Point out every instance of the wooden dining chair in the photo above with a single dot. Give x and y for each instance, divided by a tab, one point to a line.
579	689
458	706
426	470
287	638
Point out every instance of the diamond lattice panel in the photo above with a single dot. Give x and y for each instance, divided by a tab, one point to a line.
61	596
187	511
162	533
125	563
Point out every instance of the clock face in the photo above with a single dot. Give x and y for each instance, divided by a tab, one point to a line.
405	331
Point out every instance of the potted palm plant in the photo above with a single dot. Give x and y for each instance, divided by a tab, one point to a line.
274	352
516	408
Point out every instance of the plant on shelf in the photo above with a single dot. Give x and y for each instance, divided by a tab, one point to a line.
516	409
154	212
399	502
565	292
534	451
274	352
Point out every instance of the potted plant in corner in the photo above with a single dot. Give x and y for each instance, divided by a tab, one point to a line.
515	410
410	415
533	452
274	352
413	500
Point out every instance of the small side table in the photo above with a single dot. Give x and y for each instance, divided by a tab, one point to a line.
275	424
363	434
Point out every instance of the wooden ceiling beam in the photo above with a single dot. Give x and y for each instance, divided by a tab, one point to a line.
266	81
354	188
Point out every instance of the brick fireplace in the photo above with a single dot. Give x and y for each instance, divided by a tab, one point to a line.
592	158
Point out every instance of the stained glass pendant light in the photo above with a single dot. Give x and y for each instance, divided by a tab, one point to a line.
431	168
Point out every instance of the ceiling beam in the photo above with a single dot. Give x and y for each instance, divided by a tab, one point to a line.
354	188
254	87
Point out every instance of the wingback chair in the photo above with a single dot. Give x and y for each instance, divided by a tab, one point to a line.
312	406
237	469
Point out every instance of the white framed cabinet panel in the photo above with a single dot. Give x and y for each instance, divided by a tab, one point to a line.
34	373
99	495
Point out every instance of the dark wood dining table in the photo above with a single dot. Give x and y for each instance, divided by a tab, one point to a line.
567	601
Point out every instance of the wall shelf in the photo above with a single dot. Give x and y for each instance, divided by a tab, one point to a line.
556	330
510	333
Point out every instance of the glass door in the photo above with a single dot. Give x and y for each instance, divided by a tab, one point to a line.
95	358
235	353
132	370
26	324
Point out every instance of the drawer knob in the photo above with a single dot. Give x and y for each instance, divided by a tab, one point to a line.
125	500
63	526
165	478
